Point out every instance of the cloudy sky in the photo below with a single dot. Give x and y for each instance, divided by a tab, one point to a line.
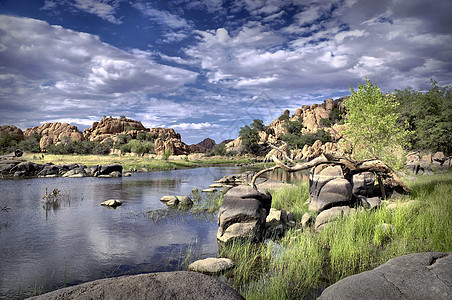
208	67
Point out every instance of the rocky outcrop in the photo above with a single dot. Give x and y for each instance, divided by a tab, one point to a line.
13	131
243	214
203	147
422	276
52	133
312	118
19	168
418	164
109	127
165	286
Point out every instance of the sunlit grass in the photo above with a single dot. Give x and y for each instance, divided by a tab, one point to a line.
304	261
131	162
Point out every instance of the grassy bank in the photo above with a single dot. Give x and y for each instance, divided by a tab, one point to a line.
303	262
133	162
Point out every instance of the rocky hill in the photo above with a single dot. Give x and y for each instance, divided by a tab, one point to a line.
313	117
52	133
204	146
13	131
110	127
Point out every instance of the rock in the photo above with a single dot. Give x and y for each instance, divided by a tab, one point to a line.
330	215
394	205
418	276
78	172
243	214
212	265
127	174
306	220
26	169
364	184
111	203
179	285
211	190
277	216
52	133
109	127
115	174
170	201
49	170
110	168
12	131
328	187
92	171
184	200
439	158
216	185
374	202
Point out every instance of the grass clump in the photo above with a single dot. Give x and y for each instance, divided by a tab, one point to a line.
292	199
303	261
210	203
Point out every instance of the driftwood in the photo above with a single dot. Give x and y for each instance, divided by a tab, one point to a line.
387	178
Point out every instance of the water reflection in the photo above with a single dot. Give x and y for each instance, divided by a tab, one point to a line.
78	240
284	176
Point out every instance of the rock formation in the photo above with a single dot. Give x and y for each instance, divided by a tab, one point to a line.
12	130
111	127
311	117
52	133
167	139
243	214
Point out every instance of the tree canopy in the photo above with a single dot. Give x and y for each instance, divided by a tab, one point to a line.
372	126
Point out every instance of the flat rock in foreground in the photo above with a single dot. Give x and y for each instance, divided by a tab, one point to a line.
167	285
415	276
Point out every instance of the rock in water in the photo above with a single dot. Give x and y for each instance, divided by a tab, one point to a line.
179	285
418	276
111	203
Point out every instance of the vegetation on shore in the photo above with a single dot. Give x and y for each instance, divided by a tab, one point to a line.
303	262
133	162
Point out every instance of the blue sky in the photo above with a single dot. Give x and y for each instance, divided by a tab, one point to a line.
206	68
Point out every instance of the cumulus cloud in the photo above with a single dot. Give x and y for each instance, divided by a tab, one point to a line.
196	126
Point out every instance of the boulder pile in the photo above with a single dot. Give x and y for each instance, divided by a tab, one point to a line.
18	168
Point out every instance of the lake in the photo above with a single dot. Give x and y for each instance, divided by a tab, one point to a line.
43	248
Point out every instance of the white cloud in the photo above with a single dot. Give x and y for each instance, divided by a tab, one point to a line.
193	126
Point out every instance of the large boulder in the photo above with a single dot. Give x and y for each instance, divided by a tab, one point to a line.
164	286
109	127
328	187
330	215
55	132
243	214
109	169
422	276
364	184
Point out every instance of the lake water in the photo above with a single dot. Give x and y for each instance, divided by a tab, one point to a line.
46	248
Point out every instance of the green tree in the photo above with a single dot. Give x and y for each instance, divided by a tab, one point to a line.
429	115
250	136
219	149
372	126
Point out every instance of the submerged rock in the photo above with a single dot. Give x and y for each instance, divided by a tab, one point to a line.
111	203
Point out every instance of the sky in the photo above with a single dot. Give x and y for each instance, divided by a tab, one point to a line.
206	67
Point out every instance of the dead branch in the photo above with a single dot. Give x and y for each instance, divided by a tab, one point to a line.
384	173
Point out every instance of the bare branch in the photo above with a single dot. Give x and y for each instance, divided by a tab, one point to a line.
253	180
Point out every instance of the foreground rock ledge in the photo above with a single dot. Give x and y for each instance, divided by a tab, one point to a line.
167	285
415	276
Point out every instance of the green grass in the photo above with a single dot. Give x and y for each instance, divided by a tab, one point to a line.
132	162
307	261
292	199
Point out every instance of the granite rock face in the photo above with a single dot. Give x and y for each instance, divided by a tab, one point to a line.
418	276
243	214
165	286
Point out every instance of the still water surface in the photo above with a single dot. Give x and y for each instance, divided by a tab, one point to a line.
46	249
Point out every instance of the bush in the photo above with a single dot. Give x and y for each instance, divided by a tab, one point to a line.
297	141
8	142
166	155
219	149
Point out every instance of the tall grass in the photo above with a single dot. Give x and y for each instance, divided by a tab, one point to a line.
292	199
305	262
